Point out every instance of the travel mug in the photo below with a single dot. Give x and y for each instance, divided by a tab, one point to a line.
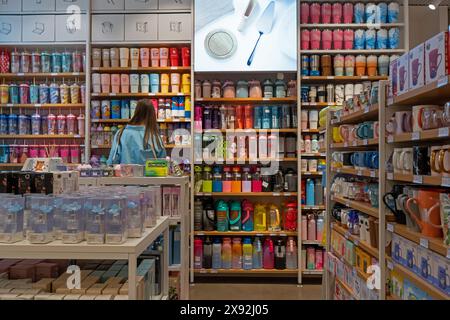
164	57
186	56
315	35
348	39
96	58
305	39
114	58
338	65
349	65
304	12
347	10
134	56
327	36
338	37
154	53
314	11
326	12
337	12
372	65
145	57
360	63
124	57
174	57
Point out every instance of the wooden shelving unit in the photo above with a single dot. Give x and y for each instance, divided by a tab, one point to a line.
358	205
142	69
357	116
247	100
426	135
356	143
18	76
247	233
247	194
357	172
243	272
42	136
43	106
339	78
138	95
355	239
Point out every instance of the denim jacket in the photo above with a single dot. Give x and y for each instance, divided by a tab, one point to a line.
130	150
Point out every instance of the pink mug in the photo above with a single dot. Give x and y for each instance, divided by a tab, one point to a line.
348	39
34	151
348	12
326	12
337	12
314	11
338	37
306	38
435	59
415	71
315	39
304	12
327	36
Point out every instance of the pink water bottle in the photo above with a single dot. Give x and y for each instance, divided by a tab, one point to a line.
198	119
64	153
81	125
268	254
306	38
198	253
327	36
34	151
310	258
311	228
51	123
42	151
71	124
348	12
326	12
75	154
53	151
338	37
304	12
319	259
61	124
304	228
348	39
315	39
337	12
314	11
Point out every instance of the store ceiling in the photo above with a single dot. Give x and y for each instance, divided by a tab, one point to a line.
427	2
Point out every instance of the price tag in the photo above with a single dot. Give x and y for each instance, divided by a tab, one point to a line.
38	105
10	105
418	179
151	94
373	174
347	203
443	132
390	176
390	139
332	226
313	103
445	182
20	74
338	170
53	74
208	194
415	136
356	242
366	109
287	194
95	68
199	99
200	234
75	73
273	234
390	265
180	94
364	77
76	136
330	77
259	235
276	194
95	94
113	94
390	227
442	82
315	208
424	243
203	271
266	99
213	271
365	142
359	172
305	77
134	68
283	235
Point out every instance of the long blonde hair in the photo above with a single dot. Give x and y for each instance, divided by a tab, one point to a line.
145	115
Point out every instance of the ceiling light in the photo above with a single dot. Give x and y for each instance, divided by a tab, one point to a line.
433	5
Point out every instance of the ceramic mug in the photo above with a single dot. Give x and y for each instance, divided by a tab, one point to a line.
403	122
421	161
337	138
376	130
446	115
345	132
383	65
440	160
406	160
432	118
417	115
429	205
365	130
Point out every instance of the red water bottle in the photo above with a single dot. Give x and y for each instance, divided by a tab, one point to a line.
5	61
239	117
248	117
174	60
186	56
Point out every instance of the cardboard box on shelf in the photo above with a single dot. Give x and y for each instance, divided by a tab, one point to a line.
176	26
437	60
403	74
417	67
41	5
71	28
10	6
107	5
393	78
67	5
10	28
141	5
175	5
38	28
141	27
108	27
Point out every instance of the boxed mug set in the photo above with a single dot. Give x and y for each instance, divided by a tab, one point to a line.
359	96
356	189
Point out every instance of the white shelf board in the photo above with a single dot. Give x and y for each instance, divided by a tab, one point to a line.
354	51
144	181
352	25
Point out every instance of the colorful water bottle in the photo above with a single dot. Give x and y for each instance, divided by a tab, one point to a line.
290	216
274	223
222	216
320	227
217	180
236	183
237	254
226	253
268	254
247	215
310	192
198	253
235	216
311	228
247	254
257	254
207	179
208	216
291	254
227	179
260	218
217	254
207	254
280	255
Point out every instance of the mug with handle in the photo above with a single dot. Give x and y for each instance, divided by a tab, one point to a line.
417	115
406	160
429	205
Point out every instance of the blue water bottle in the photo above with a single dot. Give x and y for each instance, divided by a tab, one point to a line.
310	192
257	121
266	117
276	118
125	109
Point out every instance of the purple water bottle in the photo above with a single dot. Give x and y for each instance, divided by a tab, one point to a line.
3	124
12	124
44	94
35	124
34	94
207	118
54	93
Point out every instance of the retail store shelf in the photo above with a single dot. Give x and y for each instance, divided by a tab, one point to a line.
435	244
435	93
357	172
143	181
41	75
313	242
355	51
357	143
346	287
294	130
141	69
247	233
369	112
313	154
426	135
310	131
246	194
355	239
361	274
138	95
318	105
303	207
245	160
110	120
351	25
357	205
41	136
340	78
312	272
419	282
43	106
248	100
312	173
418	179
174	267
253	272
181	146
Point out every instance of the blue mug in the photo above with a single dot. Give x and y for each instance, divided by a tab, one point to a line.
357	159
371	160
425	268
365	130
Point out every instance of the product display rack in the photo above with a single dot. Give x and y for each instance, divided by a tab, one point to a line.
435	93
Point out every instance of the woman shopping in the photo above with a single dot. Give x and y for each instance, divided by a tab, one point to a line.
139	140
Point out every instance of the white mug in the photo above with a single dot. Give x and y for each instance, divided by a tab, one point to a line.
406	161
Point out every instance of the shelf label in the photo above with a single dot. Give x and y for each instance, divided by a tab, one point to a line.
10	105
75	73
390	176
390	139
180	94
287	194
276	194
390	227
424	243
415	136
359	172
366	109
443	132
364	77
207	194
390	265
151	94
283	235
332	226
20	74
442	82
113	94
38	105
305	77
417	179
330	77
200	234
315	208
313	103
347	203
53	74
202	271
199	99
365	142
95	68
266	99
213	271
94	94
272	234
445	182
373	174
259	235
